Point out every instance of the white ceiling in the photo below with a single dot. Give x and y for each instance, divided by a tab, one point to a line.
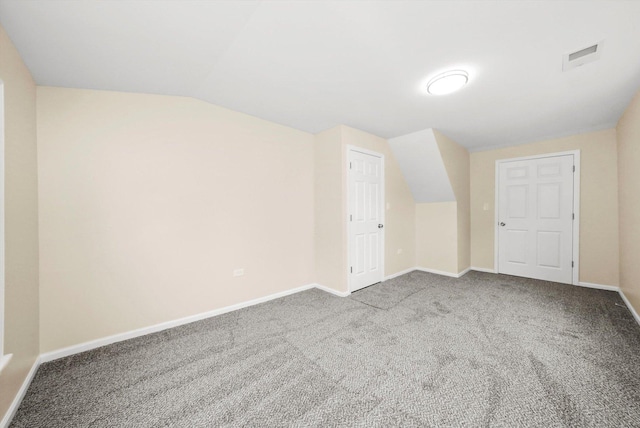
313	65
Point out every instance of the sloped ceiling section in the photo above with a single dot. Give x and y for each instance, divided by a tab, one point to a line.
313	65
422	166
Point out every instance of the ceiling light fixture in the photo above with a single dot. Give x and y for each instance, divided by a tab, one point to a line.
447	82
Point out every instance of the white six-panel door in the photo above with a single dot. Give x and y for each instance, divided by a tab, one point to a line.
535	218
366	233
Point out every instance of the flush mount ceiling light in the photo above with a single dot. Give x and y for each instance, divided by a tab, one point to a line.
447	82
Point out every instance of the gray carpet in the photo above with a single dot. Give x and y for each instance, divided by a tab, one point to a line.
420	350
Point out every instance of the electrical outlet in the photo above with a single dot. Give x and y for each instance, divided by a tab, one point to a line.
238	272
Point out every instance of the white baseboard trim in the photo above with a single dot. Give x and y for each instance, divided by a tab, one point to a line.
464	272
97	343
4	360
631	308
397	274
441	272
332	291
598	286
13	408
479	269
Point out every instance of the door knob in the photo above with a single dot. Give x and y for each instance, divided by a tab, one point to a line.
380	226
502	223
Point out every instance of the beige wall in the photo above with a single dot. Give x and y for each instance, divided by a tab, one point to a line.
437	236
331	203
21	221
330	228
598	202
628	131
148	203
456	162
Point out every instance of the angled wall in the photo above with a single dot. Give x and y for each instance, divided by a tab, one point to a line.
437	170
456	161
399	221
628	143
21	328
330	230
330	154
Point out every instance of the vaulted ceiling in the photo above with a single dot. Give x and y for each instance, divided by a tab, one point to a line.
313	65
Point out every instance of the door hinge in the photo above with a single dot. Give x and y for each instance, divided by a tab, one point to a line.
574	168
349	165
351	269
573	216
571	264
350	217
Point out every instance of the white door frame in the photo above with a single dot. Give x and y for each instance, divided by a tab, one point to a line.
4	359
349	149
576	207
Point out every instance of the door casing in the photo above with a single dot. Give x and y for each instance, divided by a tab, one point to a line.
576	207
349	149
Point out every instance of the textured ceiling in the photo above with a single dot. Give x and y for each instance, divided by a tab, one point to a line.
313	65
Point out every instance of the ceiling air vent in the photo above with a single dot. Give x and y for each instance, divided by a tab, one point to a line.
581	56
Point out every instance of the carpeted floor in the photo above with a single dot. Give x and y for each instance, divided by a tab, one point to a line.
420	350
